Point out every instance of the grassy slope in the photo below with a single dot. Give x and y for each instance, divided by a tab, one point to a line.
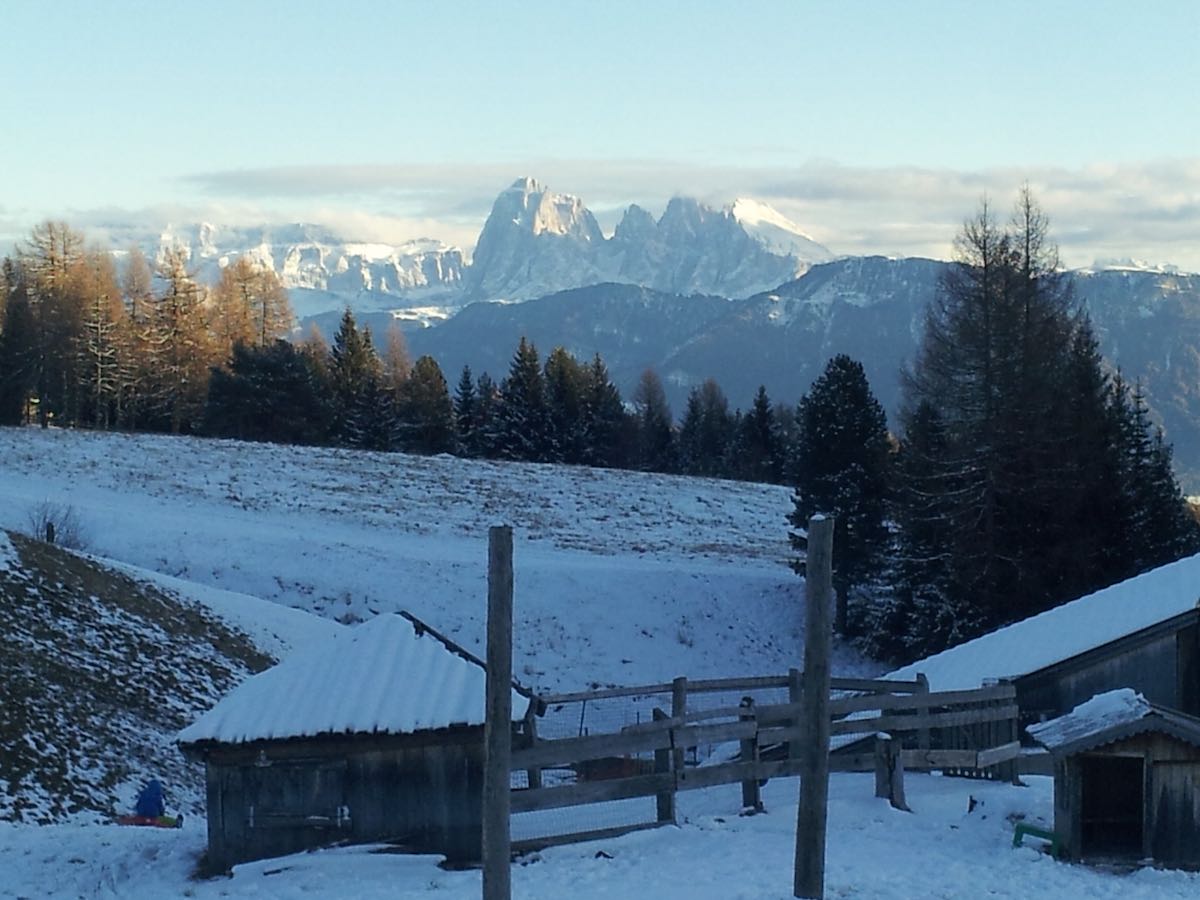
99	672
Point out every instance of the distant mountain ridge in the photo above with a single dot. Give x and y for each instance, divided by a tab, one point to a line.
534	242
871	308
657	294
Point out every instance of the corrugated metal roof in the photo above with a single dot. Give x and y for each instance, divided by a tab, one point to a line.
390	675
1110	717
1065	631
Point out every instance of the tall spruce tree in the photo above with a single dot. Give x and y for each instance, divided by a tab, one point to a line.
361	408
18	347
656	447
565	412
842	468
426	414
706	433
758	454
466	410
1008	472
607	429
523	417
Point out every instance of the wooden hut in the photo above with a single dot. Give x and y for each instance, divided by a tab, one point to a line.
1126	780
1143	633
374	735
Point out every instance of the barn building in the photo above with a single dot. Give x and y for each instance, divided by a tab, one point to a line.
374	735
1143	633
1126	780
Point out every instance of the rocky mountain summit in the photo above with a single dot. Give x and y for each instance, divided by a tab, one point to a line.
534	242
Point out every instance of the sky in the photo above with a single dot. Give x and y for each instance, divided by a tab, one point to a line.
877	126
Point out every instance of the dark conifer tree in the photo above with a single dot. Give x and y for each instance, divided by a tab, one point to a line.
1021	506
843	469
267	393
466	411
487	417
606	427
706	433
18	348
564	385
523	420
757	456
362	411
426	414
656	448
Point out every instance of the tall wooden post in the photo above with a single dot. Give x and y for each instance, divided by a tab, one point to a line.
813	813
497	729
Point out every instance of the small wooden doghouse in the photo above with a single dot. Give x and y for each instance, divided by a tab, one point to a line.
374	735
1126	780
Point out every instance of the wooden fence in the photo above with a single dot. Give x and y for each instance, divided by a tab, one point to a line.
967	732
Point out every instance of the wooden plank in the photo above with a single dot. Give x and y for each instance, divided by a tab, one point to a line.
693	735
941	759
497	837
725	685
884	703
852	762
873	685
720	712
564	751
607	694
730	685
591	792
925	720
716	685
576	837
813	811
996	755
664	801
783	712
795	697
679	692
726	773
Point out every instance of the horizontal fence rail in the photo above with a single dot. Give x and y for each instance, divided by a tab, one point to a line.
960	731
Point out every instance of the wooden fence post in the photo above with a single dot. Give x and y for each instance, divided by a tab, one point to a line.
1011	732
795	695
533	775
923	737
497	728
678	711
813	813
665	800
751	797
889	771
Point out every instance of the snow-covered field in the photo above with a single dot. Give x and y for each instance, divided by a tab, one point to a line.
940	850
620	578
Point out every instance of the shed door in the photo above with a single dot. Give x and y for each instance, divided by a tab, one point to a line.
1176	838
1113	809
293	806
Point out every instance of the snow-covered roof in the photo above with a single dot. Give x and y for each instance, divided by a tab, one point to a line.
391	675
1065	631
1109	717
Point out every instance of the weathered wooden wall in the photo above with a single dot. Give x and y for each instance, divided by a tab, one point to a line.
1163	667
420	790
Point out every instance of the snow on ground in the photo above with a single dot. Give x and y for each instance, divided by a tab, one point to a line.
275	629
620	577
874	852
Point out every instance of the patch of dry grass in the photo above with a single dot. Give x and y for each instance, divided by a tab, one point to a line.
98	672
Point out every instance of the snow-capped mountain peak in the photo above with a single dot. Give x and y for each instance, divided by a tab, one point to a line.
776	231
